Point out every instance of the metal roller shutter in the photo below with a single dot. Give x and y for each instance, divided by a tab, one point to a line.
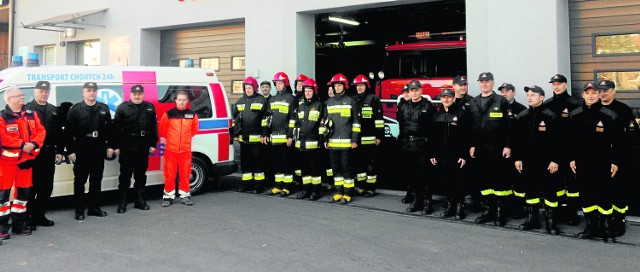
222	42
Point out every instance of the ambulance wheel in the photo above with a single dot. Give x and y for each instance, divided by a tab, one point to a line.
199	175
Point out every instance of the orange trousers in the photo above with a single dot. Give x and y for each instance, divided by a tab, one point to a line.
10	176
176	164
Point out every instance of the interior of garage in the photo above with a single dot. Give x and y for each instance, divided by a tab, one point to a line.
344	47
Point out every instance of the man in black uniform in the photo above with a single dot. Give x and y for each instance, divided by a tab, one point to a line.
406	97
461	88
490	115
450	142
621	187
50	154
594	158
309	135
369	110
562	103
88	129
135	128
248	115
415	118
535	152
508	91
265	89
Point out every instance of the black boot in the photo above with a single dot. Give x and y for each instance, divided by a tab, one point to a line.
619	224
427	208
257	187
96	211
460	210
449	210
590	227
19	224
550	220
122	205
140	203
315	192
608	228
476	202
519	208
533	220
79	213
408	197
501	218
305	192
244	186
488	214
571	213
416	205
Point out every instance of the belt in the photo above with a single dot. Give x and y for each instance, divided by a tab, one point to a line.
92	135
142	133
415	138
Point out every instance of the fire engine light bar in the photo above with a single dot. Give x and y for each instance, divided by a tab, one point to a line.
344	21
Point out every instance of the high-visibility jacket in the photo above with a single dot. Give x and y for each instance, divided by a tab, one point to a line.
342	122
370	117
249	123
281	117
308	131
17	129
178	127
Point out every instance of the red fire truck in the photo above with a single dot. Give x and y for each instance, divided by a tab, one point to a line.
434	63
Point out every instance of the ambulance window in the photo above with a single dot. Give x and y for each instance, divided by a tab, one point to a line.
108	94
70	94
28	96
198	97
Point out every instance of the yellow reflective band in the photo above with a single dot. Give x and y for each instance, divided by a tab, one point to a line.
577	194
355	128
343	110
292	123
348	183
339	145
322	130
519	194
338	183
297	144
314	115
258	176
247	176
263	123
372	179
316	180
605	212
487	192
256	106
551	204
240	107
298	172
503	193
495	114
282	107
254	138
379	123
561	192
279	178
589	209
533	201
361	176
306	180
368	140
621	210
301	115
329	172
240	139
288	179
278	139
308	145
344	143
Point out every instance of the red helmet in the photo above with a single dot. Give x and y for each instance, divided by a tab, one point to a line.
310	83
250	81
281	76
361	79
301	77
340	78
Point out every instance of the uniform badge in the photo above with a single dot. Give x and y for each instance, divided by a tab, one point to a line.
542	126
600	127
188	116
28	111
12	128
496	108
103	112
565	112
455	120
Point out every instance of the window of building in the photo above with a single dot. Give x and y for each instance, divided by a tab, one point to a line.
616	44
236	87
626	80
199	99
88	53
212	63
49	55
237	63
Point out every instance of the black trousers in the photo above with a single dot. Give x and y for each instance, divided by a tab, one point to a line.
535	178
89	165
133	162
448	171
491	171
42	182
595	185
251	156
417	175
341	164
310	163
365	159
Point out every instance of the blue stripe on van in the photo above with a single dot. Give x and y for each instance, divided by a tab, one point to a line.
213	124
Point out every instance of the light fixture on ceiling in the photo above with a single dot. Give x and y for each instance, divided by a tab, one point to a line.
344	21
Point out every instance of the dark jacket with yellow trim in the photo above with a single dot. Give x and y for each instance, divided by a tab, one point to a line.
490	125
307	132
370	116
249	123
342	121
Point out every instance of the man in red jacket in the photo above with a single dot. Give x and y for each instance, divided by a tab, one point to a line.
178	126
22	135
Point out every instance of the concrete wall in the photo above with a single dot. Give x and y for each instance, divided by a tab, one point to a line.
522	42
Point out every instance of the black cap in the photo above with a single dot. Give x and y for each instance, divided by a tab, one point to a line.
137	89
558	78
460	80
485	76
589	85
43	85
606	84
266	82
90	85
405	88
506	86
414	84
535	89
446	92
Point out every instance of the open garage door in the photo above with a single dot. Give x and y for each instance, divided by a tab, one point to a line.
218	47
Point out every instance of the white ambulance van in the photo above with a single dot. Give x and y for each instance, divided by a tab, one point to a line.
213	154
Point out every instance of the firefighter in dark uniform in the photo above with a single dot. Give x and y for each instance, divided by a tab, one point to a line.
308	137
595	156
415	118
562	103
135	128
295	160
508	91
88	129
461	88
249	113
280	121
450	151
535	152
265	90
621	185
406	97
50	154
343	135
490	149
369	110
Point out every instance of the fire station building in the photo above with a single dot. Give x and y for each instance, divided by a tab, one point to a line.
521	42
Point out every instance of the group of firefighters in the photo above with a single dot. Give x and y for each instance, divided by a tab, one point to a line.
34	137
562	153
